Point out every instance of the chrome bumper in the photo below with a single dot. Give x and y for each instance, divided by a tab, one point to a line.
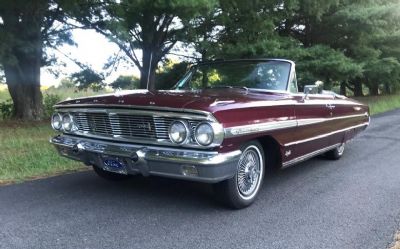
194	165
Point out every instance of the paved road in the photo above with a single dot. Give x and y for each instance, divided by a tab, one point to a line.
351	203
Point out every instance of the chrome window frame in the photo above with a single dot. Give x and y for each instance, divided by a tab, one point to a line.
287	90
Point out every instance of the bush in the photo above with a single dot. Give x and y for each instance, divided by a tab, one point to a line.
6	109
49	101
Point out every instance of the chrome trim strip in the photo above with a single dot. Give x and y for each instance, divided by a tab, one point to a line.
310	121
108	110
260	127
308	156
138	108
276	125
326	134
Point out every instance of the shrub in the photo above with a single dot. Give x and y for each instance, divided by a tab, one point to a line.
6	108
49	101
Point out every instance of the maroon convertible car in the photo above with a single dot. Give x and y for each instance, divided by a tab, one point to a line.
224	122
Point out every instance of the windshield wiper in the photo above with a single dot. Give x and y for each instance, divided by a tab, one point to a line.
230	87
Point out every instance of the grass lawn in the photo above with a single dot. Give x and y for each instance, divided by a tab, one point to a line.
25	152
378	104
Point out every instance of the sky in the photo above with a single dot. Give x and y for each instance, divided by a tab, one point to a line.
93	50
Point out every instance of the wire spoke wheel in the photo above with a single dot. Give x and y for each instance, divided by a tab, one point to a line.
250	168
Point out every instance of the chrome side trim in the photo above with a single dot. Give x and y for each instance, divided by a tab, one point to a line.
302	122
308	156
276	125
260	127
327	134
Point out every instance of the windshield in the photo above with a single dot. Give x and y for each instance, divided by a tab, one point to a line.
267	75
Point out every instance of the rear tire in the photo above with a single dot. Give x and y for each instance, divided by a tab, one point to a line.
336	153
241	190
110	175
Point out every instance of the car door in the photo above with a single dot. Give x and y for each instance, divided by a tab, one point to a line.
314	114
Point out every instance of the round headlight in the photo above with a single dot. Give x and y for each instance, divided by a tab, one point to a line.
67	122
204	134
56	121
178	132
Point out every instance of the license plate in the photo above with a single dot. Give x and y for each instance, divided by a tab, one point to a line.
114	164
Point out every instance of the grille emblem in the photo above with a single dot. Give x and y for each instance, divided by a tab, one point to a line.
144	126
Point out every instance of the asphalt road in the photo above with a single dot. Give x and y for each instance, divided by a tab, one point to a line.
350	203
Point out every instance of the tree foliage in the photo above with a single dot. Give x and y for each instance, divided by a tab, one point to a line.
27	28
348	43
87	78
125	82
151	27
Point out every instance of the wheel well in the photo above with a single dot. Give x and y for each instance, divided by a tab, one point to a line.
272	151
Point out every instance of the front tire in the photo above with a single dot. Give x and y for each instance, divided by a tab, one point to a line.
110	175
241	190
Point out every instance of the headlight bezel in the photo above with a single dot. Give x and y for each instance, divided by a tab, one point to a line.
60	121
186	128
71	123
211	140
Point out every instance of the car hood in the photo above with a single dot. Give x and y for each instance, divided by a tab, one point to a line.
210	100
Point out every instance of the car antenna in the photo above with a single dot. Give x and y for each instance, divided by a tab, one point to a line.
148	73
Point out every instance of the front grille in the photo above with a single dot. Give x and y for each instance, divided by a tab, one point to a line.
125	125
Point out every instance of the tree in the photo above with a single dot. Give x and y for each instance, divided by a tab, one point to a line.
125	82
357	29
152	27
87	78
26	29
170	74
248	28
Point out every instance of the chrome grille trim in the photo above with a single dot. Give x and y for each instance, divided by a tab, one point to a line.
122	125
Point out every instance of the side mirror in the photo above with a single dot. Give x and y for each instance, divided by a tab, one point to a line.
310	89
313	89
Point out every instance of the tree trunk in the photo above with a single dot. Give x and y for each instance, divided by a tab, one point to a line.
343	89
374	90
24	88
358	88
388	90
22	72
148	71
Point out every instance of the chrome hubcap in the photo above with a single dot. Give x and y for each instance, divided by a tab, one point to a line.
341	149
249	172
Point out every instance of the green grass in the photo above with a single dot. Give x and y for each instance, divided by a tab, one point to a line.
25	152
379	104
